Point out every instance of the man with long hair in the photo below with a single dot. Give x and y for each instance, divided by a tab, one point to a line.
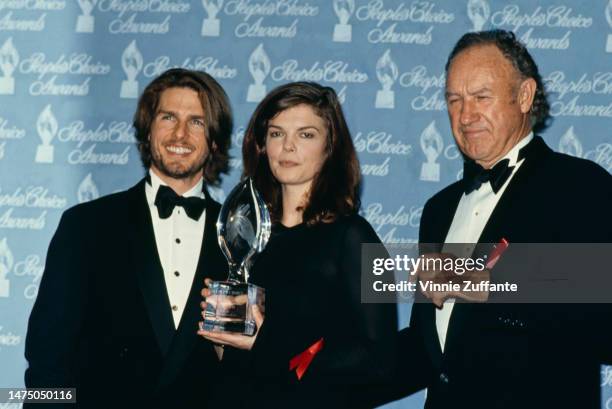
117	310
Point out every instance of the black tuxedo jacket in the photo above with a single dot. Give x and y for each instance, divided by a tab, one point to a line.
518	355
102	321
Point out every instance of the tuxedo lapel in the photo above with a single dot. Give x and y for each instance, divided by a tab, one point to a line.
501	224
443	214
426	316
210	265
504	217
145	263
433	232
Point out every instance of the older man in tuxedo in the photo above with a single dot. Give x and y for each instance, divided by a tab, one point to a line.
487	355
118	306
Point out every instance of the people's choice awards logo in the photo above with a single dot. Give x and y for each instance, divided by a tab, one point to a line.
211	26
259	67
9	58
131	62
85	21
87	190
343	31
47	127
6	264
609	18
570	144
432	145
387	72
478	12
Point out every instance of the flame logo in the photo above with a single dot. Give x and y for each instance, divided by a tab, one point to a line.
259	64
386	70
6	259
46	125
569	144
9	57
87	190
431	142
212	7
131	60
87	6
478	12
344	9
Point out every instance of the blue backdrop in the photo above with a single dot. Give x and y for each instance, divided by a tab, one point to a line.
71	72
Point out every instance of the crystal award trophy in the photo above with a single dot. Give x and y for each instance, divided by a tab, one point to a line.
243	230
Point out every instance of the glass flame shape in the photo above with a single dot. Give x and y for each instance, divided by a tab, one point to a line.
259	64
478	12
212	7
87	6
431	141
344	9
386	70
9	57
87	190
131	60
569	143
6	258
46	125
243	228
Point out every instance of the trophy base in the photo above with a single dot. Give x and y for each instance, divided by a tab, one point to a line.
85	24
211	27
343	33
129	89
4	288
7	86
44	154
256	92
385	99
228	308
430	172
609	44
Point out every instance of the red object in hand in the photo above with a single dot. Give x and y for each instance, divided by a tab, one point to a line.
499	249
301	361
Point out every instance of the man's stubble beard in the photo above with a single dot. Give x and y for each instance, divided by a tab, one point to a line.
177	170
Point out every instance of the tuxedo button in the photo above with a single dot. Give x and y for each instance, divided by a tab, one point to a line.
176	273
175	308
444	378
177	240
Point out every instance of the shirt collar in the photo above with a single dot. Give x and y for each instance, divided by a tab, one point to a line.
156	182
514	152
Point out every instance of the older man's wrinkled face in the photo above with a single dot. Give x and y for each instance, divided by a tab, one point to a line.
488	103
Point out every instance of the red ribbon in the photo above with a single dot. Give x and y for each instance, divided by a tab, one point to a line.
301	361
498	250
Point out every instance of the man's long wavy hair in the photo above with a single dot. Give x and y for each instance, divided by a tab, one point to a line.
217	115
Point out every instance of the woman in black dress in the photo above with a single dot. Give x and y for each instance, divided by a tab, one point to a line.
299	152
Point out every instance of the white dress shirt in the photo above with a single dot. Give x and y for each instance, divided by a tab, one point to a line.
470	218
179	240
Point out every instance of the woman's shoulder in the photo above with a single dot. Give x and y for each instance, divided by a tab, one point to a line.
354	226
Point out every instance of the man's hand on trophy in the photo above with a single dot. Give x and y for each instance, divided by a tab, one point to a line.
440	279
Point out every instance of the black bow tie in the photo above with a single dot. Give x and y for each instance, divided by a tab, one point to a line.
475	175
166	199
